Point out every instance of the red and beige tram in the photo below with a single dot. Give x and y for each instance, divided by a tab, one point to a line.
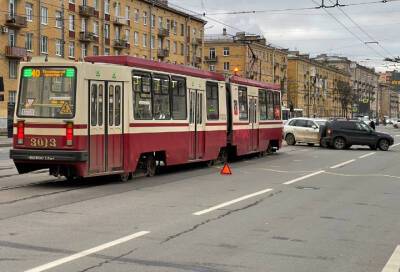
120	114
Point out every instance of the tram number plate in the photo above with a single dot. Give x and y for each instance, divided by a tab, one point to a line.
43	142
41	158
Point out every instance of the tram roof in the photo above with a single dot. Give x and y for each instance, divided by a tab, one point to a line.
254	83
155	65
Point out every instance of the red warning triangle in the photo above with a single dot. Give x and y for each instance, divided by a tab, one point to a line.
226	170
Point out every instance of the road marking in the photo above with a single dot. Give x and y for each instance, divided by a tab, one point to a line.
222	205
367	155
303	177
87	252
342	164
396	145
393	265
397	136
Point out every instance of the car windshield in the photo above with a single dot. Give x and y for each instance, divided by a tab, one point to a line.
320	122
47	92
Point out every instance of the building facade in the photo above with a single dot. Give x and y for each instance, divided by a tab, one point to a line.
316	88
364	83
73	29
248	56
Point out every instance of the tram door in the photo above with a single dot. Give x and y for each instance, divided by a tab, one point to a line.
105	123
254	124
196	125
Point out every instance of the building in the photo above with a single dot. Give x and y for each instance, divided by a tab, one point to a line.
364	83
319	89
73	29
390	89
248	56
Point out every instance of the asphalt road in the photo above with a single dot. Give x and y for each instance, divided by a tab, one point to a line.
303	209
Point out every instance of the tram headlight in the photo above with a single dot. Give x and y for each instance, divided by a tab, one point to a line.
69	133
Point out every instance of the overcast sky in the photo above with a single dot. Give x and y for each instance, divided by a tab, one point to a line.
312	31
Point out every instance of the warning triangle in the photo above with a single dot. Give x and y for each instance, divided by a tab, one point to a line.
65	108
226	170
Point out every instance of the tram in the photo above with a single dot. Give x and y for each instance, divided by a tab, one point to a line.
117	115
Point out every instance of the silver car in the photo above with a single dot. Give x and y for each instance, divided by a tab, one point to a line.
303	130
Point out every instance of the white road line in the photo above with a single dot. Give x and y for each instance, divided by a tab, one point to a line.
397	136
222	205
87	252
367	155
396	145
342	164
393	265
303	177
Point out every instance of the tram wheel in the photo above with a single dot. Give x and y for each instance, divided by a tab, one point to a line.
151	166
124	177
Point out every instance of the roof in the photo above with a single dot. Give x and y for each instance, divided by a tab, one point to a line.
255	83
155	65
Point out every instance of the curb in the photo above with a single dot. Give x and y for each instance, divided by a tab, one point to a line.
5	144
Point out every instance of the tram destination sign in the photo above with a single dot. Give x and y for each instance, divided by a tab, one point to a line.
48	72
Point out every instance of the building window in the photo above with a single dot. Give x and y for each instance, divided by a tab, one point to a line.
145	40
29	41
71	22
29	12
145	18
127	35
44	16
107	7
160	43
117	33
226	66
212	53
175	27
83	25
152	42
226	51
117	9
96	28
137	15
84	50
106	51
95	50
96	4
12	95
71	1
175	47
136	38
58	19
212	67
11	37
153	21
168	24
43	45
13	68
71	50
182	30
182	49
168	45
107	31
58	47
160	22
127	13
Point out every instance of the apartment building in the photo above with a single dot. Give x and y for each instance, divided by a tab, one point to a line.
248	56
73	29
319	89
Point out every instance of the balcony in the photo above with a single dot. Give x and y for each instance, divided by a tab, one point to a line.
162	53
86	36
198	60
212	59
16	21
15	52
119	21
86	11
163	32
120	44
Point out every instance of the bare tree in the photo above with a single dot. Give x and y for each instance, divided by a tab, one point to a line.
346	95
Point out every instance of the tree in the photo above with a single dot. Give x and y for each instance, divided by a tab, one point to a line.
346	95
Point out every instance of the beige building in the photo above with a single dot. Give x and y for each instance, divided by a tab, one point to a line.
73	29
317	88
248	56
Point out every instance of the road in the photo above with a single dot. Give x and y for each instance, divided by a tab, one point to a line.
303	209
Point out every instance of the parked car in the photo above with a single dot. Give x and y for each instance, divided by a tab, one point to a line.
343	134
303	130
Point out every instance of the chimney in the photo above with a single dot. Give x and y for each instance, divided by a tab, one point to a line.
224	31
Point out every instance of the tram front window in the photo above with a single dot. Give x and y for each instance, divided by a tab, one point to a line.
47	92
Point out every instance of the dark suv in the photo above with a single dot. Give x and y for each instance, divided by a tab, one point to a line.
344	134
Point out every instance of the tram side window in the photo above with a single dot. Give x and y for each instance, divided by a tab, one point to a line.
161	103
93	105
117	105
270	106
243	105
100	105
111	105
262	98
277	106
212	101
142	96
178	98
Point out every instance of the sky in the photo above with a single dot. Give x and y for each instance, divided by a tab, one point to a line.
312	31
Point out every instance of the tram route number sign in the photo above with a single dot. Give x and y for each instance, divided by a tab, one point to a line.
51	72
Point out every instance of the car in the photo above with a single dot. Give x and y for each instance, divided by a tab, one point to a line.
303	130
343	134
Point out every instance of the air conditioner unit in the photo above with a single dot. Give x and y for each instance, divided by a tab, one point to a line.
4	29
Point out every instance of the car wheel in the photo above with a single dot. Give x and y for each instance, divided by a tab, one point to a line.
339	143
383	145
290	140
